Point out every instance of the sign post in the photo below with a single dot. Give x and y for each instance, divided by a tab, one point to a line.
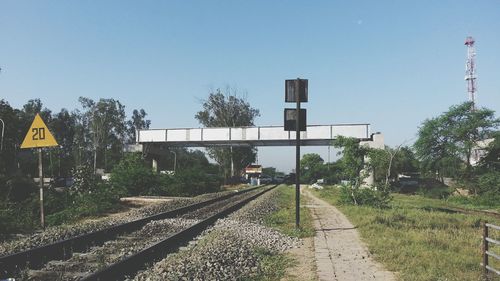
40	175
39	136
296	91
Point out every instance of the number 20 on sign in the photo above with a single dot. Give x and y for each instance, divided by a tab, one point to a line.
38	135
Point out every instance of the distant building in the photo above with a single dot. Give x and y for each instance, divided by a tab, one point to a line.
479	151
253	170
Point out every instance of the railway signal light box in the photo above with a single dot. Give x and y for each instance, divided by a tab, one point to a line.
296	87
291	119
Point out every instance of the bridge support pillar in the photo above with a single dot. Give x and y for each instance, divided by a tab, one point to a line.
155	165
376	142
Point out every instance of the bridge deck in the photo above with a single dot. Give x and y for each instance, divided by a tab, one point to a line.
315	135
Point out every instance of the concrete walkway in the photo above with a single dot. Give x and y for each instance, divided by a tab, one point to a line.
339	253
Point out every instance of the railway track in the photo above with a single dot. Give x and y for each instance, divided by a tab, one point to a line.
468	211
77	257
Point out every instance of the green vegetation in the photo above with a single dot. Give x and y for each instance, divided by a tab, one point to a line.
355	169
103	199
223	108
364	197
284	218
90	196
60	207
418	237
272	172
91	140
446	144
271	266
313	167
132	177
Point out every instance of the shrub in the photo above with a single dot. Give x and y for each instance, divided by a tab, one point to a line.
489	183
131	176
487	189
19	188
104	198
195	182
435	192
84	179
376	197
19	217
56	201
186	183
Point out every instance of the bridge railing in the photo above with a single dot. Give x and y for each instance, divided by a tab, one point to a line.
251	134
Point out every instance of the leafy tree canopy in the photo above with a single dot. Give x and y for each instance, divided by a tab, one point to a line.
445	143
224	108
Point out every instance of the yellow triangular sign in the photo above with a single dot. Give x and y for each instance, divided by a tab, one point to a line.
38	135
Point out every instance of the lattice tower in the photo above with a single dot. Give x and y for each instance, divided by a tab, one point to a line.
470	70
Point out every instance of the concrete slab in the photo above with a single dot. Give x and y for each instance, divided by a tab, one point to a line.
339	252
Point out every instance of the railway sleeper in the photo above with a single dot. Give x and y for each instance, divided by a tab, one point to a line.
42	275
36	258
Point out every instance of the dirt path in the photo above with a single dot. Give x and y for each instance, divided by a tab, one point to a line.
339	252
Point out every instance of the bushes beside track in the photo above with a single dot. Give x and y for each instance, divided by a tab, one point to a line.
88	197
132	177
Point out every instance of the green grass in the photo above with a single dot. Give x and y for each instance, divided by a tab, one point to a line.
417	201
419	238
284	219
484	202
271	266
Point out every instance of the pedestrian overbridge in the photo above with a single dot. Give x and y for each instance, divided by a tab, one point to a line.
315	135
151	141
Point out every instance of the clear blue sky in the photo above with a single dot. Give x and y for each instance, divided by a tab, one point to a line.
388	63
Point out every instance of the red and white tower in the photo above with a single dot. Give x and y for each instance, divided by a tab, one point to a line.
470	70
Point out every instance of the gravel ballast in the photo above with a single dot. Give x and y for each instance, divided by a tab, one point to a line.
229	250
57	233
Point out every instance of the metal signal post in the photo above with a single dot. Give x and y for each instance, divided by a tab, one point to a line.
295	120
297	159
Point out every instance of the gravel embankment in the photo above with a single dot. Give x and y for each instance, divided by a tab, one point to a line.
56	233
228	250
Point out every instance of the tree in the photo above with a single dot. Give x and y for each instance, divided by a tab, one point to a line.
489	171
137	122
106	120
405	161
388	163
312	167
353	161
11	138
491	161
380	163
445	143
63	126
227	109
355	169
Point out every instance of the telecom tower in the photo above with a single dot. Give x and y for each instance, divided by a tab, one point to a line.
470	70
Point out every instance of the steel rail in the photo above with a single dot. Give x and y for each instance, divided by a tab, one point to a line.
35	258
132	264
